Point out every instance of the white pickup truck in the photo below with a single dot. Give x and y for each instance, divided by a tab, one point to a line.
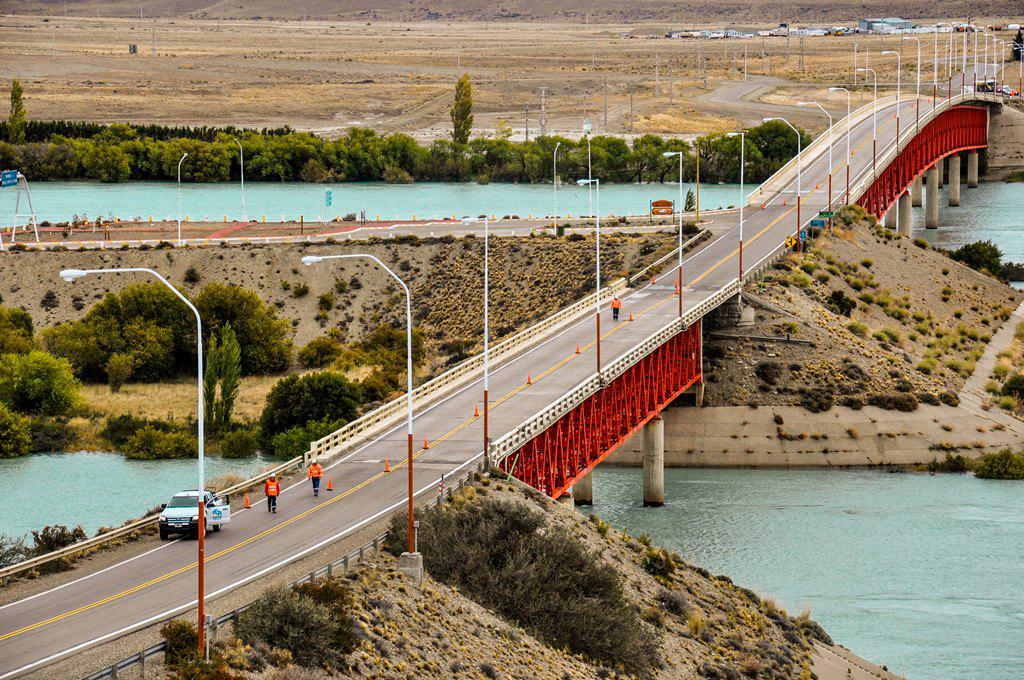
181	514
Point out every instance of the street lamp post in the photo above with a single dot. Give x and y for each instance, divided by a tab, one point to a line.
70	275
597	271
743	199
899	111
917	90
554	182
487	329
849	131
830	161
183	157
241	166
310	260
799	173
874	118
679	276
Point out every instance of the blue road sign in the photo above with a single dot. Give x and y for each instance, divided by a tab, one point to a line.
817	223
803	235
9	178
328	198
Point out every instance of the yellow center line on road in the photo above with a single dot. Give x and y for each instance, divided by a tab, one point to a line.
455	430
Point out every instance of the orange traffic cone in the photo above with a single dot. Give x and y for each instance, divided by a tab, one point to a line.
577	348
426	443
247	500
652	279
476	411
677	286
330	483
631	316
762	206
387	466
783	201
529	380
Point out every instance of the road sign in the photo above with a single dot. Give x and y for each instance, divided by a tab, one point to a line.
826	213
328	198
791	241
817	223
8	178
803	235
662	207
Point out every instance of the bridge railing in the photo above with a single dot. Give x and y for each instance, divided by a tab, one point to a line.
380	419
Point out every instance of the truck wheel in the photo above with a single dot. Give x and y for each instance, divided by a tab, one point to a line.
163	534
216	527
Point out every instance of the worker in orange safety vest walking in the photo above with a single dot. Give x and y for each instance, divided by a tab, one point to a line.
616	306
314	473
272	489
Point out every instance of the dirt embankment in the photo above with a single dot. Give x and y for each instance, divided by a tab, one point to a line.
530	278
879	320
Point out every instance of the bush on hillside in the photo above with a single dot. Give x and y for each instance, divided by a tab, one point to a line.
15	434
296	400
12	550
295	441
1005	464
262	337
980	255
313	621
150	443
16	331
50	434
1014	386
182	639
241	443
502	555
319	352
119	429
54	537
38	383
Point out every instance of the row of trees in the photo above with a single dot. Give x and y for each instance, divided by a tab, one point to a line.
120	154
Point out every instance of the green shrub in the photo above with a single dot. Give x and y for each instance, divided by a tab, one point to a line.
50	434
1004	464
545	580
182	642
1014	386
16	331
262	337
951	463
117	430
980	255
312	621
840	303
295	441
857	328
12	550
241	443
38	383
296	400
659	562
119	370
54	537
150	443
15	435
319	352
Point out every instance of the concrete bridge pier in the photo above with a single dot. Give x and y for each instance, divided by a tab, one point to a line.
654	462
905	213
972	169
931	207
941	165
583	489
954	180
917	193
890	217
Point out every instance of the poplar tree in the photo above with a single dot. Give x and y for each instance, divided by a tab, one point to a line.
16	121
462	111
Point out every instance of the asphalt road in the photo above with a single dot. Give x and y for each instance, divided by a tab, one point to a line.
162	582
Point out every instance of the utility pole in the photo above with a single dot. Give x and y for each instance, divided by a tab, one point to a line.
631	112
606	102
855	64
657	75
801	54
543	111
526	112
744	62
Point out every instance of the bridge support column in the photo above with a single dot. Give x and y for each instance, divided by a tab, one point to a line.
890	217
583	489
931	204
906	214
941	165
654	462
954	180
972	169
917	193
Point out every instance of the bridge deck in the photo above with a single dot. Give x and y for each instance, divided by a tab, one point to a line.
156	584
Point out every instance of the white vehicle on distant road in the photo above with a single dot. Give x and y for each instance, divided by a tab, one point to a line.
181	515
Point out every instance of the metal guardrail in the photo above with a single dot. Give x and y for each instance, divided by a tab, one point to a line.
387	415
342	565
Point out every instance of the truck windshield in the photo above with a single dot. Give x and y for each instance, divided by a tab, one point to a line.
183	502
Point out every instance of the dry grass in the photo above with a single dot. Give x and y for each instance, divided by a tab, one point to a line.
175	400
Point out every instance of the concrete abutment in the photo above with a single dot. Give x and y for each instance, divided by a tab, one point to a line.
972	169
583	489
654	462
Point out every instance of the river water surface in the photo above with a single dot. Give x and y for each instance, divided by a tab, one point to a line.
922	573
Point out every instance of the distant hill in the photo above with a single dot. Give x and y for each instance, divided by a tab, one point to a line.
616	11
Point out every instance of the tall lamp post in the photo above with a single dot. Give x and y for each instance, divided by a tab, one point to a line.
849	131
743	199
554	183
917	91
799	173
183	157
487	327
597	271
241	166
874	117
830	166
70	275
310	260
669	154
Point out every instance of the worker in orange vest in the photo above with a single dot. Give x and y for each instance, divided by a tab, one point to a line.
314	473
272	488
616	306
